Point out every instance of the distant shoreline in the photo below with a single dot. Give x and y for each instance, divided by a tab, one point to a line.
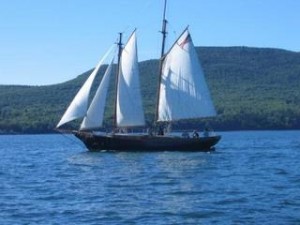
252	89
216	130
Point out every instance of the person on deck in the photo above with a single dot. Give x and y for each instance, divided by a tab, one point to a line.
195	134
160	131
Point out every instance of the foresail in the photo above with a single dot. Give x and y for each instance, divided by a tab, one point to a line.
183	90
78	107
95	114
129	102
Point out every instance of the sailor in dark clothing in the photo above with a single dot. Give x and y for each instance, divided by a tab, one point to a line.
195	134
160	130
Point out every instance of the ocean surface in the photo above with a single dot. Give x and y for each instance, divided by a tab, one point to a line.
251	178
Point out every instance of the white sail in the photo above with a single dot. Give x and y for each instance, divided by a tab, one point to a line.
129	102
183	91
95	114
78	107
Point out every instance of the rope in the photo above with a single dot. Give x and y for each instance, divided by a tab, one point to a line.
71	140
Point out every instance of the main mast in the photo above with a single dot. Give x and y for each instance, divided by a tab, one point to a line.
164	30
164	35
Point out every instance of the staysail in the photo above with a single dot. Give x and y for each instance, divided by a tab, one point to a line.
129	102
78	107
95	114
183	91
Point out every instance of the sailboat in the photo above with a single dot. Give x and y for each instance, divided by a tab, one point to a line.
182	94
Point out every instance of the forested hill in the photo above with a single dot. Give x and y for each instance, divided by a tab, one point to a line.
252	88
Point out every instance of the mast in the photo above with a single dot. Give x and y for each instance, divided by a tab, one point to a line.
120	50
164	30
117	77
164	35
130	111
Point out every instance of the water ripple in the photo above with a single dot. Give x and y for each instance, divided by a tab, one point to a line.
252	178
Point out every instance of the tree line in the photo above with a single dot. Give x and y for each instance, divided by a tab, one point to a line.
252	88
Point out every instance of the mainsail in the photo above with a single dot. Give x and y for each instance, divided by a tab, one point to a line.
182	94
183	91
129	102
78	107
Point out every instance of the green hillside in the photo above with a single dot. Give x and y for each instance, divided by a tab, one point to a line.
252	88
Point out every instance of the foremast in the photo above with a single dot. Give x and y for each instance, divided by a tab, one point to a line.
128	101
120	48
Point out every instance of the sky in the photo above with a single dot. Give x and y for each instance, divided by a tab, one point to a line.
52	41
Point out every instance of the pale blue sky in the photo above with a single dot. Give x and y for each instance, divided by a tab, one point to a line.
51	41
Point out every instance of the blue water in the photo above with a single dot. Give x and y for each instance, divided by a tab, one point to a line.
252	178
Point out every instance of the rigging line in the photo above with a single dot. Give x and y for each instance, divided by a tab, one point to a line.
145	8
71	140
140	11
143	11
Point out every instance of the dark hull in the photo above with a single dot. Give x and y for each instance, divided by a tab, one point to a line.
135	142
